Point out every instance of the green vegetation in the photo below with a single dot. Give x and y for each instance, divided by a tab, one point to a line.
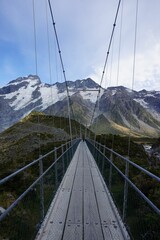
142	221
121	144
35	135
108	126
38	134
137	154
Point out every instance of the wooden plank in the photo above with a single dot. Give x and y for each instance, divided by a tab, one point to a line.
92	226
73	232
54	223
82	207
110	223
75	206
73	227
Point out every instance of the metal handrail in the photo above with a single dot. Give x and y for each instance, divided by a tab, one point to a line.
152	205
132	163
8	210
5	179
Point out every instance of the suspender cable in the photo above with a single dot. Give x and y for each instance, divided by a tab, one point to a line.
133	70
125	196
110	42
111	63
36	69
119	55
62	64
49	58
48	44
35	38
120	39
106	60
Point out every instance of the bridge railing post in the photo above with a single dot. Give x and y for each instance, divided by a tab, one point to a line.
110	171
66	155
67	147
96	150
71	149
104	151
55	167
89	135
41	189
125	197
99	155
63	166
69	152
94	139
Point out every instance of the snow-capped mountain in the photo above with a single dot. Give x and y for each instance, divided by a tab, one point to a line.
125	109
25	94
118	107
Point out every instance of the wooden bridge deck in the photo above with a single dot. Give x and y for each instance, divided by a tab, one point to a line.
82	207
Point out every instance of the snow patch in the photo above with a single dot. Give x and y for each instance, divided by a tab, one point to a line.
25	79
113	92
91	94
22	97
51	95
142	102
149	95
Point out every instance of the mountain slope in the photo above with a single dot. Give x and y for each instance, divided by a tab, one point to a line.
82	109
119	106
35	134
124	109
24	95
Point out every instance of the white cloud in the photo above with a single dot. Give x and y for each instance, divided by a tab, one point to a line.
147	70
84	28
146	75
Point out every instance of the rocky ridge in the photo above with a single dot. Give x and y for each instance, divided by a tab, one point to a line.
119	108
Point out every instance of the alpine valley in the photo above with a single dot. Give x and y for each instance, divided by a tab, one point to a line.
119	110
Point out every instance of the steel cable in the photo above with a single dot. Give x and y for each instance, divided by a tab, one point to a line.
106	60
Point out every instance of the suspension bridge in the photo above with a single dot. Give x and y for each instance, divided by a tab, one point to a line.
82	194
83	190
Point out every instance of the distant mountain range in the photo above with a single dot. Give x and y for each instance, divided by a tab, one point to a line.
119	111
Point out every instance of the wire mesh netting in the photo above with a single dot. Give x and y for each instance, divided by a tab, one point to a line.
25	218
141	219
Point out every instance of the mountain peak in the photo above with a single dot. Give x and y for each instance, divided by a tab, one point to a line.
117	104
86	83
14	86
29	78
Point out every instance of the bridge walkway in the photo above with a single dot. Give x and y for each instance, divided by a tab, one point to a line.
82	207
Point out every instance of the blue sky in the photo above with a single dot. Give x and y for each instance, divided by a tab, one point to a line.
84	28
